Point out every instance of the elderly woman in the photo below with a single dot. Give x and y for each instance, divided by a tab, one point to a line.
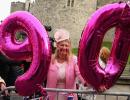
63	68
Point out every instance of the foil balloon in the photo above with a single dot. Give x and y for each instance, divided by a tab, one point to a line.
35	45
111	15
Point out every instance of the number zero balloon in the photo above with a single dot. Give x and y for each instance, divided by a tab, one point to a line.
111	15
36	45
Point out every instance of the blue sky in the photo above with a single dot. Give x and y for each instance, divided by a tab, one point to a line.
5	8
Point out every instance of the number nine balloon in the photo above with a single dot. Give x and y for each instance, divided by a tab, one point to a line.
111	15
36	46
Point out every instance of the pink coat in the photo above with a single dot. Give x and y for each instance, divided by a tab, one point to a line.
71	72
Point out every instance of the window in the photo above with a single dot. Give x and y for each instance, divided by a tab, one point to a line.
70	3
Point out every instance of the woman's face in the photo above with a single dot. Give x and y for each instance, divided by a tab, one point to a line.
63	48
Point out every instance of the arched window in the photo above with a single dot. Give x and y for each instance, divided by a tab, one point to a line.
70	3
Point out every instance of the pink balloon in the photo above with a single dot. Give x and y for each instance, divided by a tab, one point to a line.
36	45
112	15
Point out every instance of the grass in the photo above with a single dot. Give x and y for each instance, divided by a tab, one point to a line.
75	51
106	44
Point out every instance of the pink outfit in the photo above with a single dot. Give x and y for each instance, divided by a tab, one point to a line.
61	34
71	72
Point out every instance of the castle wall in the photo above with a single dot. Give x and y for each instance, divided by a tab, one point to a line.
17	6
69	14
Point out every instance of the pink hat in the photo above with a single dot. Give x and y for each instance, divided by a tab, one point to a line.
61	34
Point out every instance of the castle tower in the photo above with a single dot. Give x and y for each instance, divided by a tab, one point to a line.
17	6
27	5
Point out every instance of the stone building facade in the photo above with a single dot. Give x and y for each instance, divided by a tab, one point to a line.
16	6
69	14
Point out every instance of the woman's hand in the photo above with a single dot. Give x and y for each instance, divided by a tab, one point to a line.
3	88
102	88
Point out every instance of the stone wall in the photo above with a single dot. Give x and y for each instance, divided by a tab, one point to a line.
17	6
69	14
104	2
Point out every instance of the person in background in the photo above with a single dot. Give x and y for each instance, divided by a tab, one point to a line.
52	41
9	70
3	90
103	56
63	67
3	86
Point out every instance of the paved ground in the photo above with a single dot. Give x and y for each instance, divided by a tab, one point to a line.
116	88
